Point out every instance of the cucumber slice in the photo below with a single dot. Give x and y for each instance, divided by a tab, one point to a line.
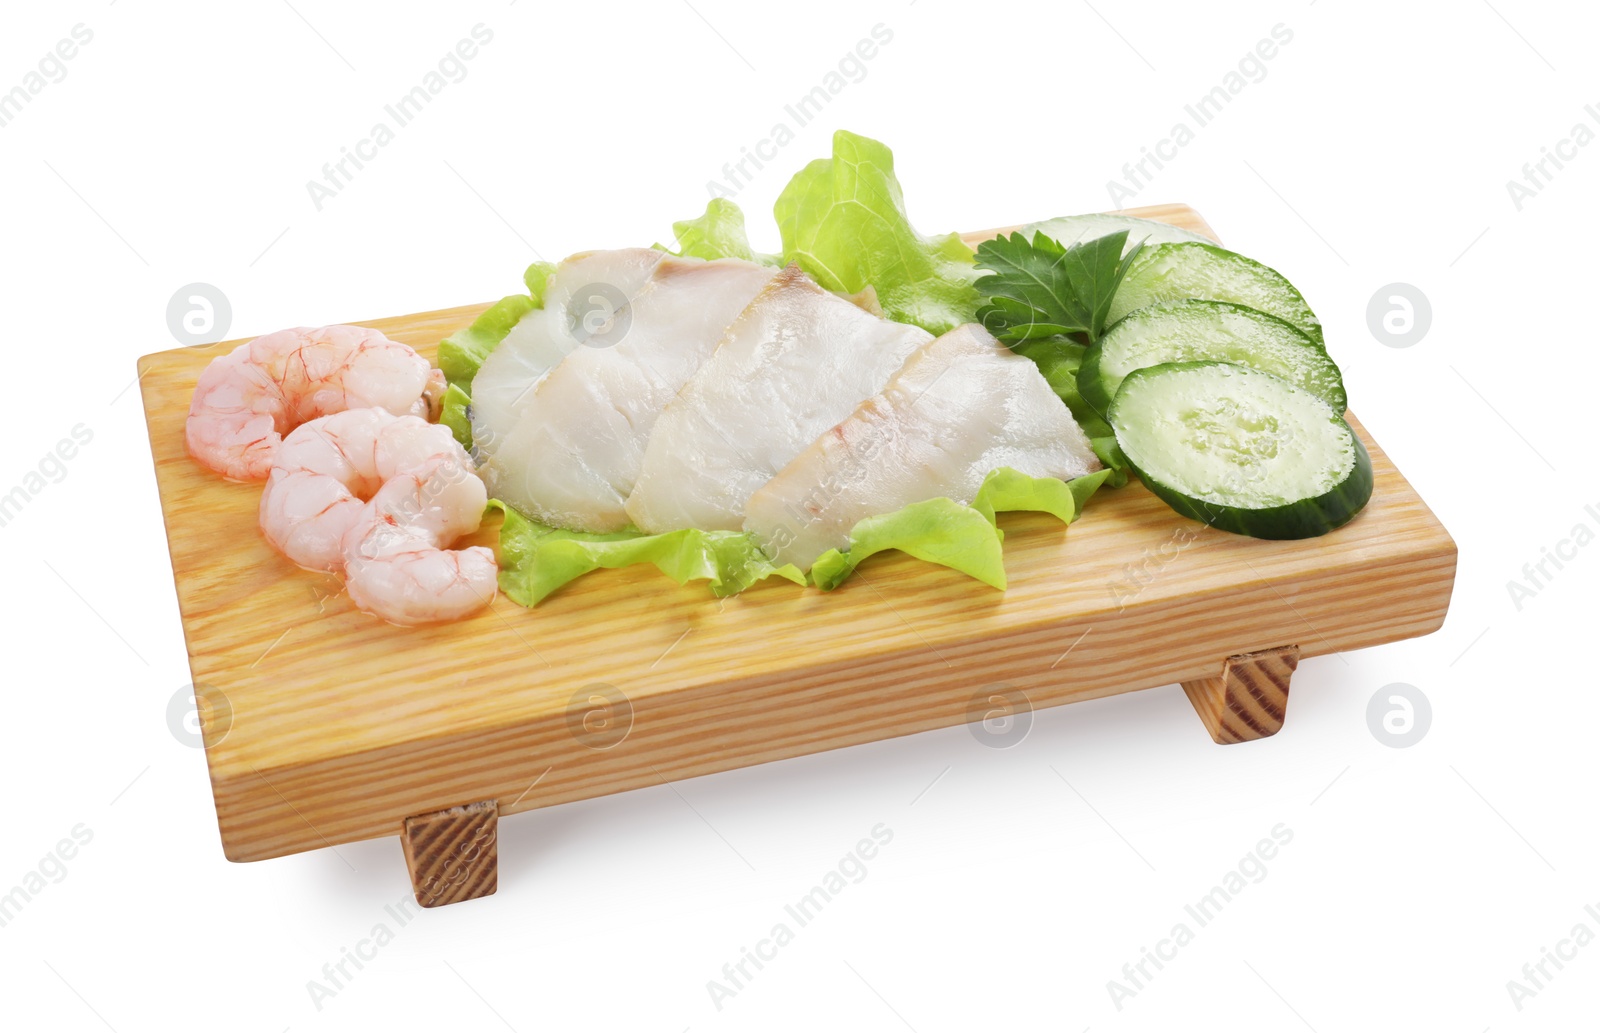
1194	330
1241	450
1075	229
1173	272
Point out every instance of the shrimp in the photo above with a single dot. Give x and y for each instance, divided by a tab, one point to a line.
378	498
325	470
396	563
248	399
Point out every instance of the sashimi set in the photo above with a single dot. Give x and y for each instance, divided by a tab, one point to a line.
732	416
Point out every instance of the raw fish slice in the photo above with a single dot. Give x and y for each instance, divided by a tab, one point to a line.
579	293
575	451
962	406
796	362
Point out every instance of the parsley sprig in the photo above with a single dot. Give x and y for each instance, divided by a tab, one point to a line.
1040	289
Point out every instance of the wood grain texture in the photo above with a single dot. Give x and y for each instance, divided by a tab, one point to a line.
453	854
1249	698
343	726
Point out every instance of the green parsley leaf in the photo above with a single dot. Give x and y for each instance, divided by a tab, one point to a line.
1038	289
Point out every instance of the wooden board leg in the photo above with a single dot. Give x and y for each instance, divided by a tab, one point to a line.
1247	701
452	854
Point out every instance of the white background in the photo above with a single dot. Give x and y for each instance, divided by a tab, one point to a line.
1376	150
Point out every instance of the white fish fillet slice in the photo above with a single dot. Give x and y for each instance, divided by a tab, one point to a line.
575	450
505	383
797	361
962	406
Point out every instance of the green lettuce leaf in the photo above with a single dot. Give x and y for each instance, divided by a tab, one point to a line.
938	530
844	221
454	414
719	233
1083	488
535	278
1105	446
964	538
535	560
1006	490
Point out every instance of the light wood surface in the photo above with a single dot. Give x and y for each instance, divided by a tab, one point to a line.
343	726
1249	698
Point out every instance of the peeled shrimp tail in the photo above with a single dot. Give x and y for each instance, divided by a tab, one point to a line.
324	471
396	558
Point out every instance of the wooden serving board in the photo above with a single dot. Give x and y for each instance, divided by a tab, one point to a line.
324	725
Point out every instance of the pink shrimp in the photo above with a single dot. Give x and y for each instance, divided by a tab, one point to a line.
423	494
396	563
325	470
248	399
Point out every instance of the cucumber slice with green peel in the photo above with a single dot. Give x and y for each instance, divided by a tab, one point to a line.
1196	330
1173	272
1241	450
1075	229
